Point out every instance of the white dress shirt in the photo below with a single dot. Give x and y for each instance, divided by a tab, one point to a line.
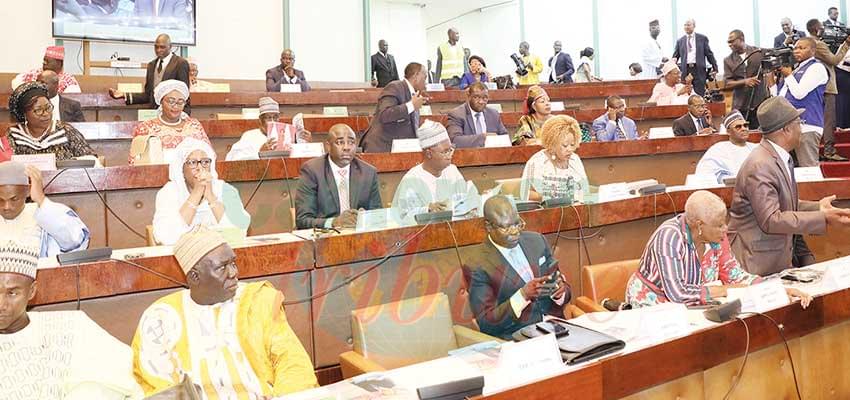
335	171
55	102
413	93
692	49
519	262
552	66
783	154
479	120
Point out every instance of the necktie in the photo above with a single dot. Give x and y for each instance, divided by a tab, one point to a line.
342	187
480	128
690	45
621	135
159	67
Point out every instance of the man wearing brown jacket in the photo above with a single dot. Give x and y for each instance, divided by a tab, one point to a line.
830	60
767	218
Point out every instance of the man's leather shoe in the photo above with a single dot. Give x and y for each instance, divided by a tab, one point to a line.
833	157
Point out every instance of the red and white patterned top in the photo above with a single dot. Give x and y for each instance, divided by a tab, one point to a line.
170	136
65	80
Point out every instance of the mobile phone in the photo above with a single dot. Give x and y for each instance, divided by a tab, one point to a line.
549	327
795	278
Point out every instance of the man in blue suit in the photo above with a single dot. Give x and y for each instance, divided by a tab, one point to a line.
692	50
614	125
560	66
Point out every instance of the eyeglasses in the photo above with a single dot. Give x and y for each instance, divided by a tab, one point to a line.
447	152
740	126
174	102
43	110
204	162
512	229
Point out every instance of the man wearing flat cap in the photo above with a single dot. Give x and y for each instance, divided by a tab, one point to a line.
232	339
55	354
767	217
54	60
420	189
723	159
256	140
51	227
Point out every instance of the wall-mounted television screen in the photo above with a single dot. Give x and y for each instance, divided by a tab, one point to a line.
125	20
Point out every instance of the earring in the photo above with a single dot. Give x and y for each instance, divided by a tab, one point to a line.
700	232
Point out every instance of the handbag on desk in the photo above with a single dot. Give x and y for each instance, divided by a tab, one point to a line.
578	344
146	149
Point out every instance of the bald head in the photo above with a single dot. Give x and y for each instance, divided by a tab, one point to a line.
162	46
287	59
341	144
704	206
51	79
498	208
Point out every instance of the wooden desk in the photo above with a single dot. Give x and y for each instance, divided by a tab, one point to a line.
131	191
112	139
427	264
101	107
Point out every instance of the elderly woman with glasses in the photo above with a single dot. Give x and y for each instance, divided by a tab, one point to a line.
195	196
687	254
171	125
36	131
556	170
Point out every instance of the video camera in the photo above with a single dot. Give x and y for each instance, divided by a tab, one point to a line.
521	70
773	59
833	36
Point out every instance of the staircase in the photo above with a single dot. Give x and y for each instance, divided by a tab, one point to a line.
839	169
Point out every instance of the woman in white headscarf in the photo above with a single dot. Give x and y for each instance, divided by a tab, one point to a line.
195	196
171	125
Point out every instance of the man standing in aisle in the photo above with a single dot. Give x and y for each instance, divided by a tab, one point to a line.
384	68
533	65
829	60
450	60
740	71
652	55
692	51
560	65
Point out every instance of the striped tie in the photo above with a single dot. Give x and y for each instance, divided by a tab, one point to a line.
342	187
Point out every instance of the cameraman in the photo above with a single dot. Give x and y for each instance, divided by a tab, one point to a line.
742	74
824	55
804	88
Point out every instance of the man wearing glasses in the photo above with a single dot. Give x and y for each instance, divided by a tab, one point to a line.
766	212
511	276
741	73
724	159
429	186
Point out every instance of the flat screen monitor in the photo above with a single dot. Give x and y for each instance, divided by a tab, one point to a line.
125	20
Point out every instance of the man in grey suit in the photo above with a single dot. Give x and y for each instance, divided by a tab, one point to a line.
333	188
470	123
384	68
286	74
69	110
767	217
397	113
507	274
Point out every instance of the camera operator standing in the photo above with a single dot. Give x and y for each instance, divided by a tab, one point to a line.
743	74
830	60
805	88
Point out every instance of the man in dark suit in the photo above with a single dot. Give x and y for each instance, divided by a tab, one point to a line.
68	110
333	188
285	73
789	34
470	123
165	66
383	66
832	19
697	121
692	50
507	274
562	69
748	91
397	113
767	216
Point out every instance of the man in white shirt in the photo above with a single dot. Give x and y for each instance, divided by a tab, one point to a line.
256	140
429	186
652	55
512	276
54	355
724	159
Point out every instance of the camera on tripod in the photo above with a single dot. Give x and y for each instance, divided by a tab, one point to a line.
521	70
834	35
773	59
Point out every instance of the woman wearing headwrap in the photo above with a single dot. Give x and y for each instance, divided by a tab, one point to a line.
195	196
172	125
537	111
37	132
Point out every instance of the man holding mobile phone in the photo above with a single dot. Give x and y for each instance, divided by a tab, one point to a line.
513	279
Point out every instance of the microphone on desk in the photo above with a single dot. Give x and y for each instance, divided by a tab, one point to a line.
614	305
